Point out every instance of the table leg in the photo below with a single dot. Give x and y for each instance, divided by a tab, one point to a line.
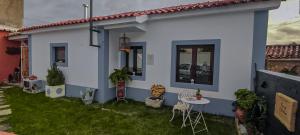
187	116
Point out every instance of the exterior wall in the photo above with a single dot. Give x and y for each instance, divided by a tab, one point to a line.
11	13
7	62
279	65
82	69
269	83
235	57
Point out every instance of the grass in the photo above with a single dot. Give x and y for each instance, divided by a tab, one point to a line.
39	115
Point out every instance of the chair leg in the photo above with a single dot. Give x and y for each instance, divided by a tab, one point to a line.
183	119
173	114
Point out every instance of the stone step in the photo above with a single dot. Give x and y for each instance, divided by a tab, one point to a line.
4	127
4	106
1	96
2	100
3	119
6	87
5	112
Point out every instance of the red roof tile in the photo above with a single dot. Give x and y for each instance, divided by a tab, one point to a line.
166	10
283	51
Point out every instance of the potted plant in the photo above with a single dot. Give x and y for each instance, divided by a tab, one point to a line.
244	103
198	94
119	78
55	82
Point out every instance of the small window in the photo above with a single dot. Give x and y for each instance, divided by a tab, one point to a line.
195	64
134	61
59	54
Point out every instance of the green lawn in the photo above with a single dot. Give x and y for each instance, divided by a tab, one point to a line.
39	115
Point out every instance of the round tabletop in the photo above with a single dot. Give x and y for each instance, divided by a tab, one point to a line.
193	100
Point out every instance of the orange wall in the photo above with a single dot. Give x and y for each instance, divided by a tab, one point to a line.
7	62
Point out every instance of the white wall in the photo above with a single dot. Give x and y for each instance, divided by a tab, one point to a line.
235	31
82	67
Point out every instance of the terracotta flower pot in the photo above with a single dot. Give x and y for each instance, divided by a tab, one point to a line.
121	89
240	114
198	97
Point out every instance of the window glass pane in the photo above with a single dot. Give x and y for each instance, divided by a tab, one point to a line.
184	64
195	64
204	66
59	54
139	61
134	61
130	61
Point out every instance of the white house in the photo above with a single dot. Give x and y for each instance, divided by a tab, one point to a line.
213	46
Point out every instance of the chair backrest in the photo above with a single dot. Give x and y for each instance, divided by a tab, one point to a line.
185	94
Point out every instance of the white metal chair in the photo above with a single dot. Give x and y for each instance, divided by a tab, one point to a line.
181	106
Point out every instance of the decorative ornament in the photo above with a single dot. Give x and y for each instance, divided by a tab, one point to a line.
124	43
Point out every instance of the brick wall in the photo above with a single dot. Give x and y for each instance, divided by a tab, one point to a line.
11	13
278	65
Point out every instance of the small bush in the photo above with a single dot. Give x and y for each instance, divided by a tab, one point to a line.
55	76
245	98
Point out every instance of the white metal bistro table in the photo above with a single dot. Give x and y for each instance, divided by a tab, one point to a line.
192	101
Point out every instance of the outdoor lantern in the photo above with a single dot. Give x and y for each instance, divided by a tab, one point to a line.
124	43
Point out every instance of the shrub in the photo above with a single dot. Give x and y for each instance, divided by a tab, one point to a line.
245	98
55	76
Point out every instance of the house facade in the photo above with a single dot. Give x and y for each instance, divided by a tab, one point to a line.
212	46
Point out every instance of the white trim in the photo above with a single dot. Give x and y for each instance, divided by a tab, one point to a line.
290	59
18	37
283	75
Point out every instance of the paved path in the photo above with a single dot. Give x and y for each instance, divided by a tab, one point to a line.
5	111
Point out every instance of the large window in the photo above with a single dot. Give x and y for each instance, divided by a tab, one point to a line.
59	54
195	64
135	59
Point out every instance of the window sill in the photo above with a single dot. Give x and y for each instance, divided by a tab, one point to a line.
61	64
213	87
140	78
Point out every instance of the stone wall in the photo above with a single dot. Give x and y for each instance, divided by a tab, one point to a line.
279	65
268	84
12	13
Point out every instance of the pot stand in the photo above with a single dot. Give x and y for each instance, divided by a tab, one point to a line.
121	94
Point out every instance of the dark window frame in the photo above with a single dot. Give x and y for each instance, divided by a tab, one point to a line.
135	52
217	46
193	66
53	47
123	60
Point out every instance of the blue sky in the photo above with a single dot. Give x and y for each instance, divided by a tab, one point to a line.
284	23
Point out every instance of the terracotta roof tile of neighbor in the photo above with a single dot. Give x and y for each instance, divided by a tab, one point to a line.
283	51
166	10
7	28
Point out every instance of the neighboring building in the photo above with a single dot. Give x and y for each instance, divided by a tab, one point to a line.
9	60
283	57
11	19
212	46
11	13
